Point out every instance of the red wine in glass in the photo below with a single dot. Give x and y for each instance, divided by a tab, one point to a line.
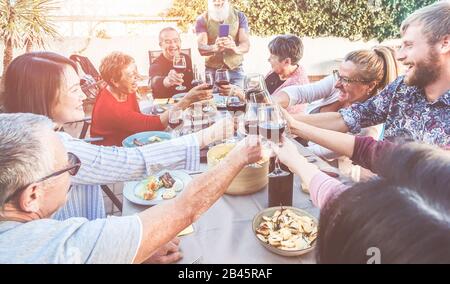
271	130
222	83
251	127
179	68
175	123
236	106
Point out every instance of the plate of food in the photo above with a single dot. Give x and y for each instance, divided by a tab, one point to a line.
286	230
155	189
146	138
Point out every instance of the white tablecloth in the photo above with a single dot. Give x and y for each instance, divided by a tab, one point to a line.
223	235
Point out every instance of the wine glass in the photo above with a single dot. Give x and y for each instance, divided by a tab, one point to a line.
179	64
144	88
209	80
251	119
144	94
256	89
271	127
236	106
251	126
222	77
198	80
175	119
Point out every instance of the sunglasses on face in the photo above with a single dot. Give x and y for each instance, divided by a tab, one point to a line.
346	80
72	168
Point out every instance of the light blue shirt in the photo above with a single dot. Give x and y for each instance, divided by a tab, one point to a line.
75	240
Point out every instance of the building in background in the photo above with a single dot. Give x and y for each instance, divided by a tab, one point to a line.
111	18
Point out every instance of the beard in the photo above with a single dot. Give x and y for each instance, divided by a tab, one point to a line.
218	14
426	71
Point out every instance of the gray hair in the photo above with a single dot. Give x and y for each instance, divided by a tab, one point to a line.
287	46
435	19
24	155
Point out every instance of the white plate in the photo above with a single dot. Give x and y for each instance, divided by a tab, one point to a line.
131	192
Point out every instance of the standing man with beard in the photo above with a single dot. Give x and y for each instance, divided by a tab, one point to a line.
164	78
223	52
417	105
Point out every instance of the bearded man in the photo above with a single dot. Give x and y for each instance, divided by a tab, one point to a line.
416	106
224	52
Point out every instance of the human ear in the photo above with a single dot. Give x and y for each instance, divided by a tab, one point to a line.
445	44
29	198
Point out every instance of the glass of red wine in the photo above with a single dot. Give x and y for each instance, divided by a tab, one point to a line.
271	127
256	90
198	80
251	119
179	64
209	80
236	106
222	77
251	125
175	120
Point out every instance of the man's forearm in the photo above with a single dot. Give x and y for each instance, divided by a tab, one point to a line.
206	50
326	120
242	48
162	223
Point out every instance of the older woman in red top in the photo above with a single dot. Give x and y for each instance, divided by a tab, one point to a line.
116	113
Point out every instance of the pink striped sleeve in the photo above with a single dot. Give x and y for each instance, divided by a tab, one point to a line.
324	188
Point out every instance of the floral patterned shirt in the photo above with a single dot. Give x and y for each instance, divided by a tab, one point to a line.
406	113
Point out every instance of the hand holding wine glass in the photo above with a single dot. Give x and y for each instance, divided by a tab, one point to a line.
179	64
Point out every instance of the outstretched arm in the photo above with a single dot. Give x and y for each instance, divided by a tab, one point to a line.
199	195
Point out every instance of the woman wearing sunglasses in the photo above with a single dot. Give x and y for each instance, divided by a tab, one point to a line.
47	83
361	75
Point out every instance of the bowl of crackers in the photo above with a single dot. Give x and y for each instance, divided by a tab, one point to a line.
286	230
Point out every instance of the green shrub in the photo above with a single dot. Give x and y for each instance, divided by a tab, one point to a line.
356	19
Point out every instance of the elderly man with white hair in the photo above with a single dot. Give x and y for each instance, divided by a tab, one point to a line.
35	171
226	51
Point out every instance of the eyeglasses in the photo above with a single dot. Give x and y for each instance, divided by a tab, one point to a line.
72	168
346	80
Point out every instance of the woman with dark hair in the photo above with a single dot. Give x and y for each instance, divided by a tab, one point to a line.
403	214
286	51
44	83
47	83
116	113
